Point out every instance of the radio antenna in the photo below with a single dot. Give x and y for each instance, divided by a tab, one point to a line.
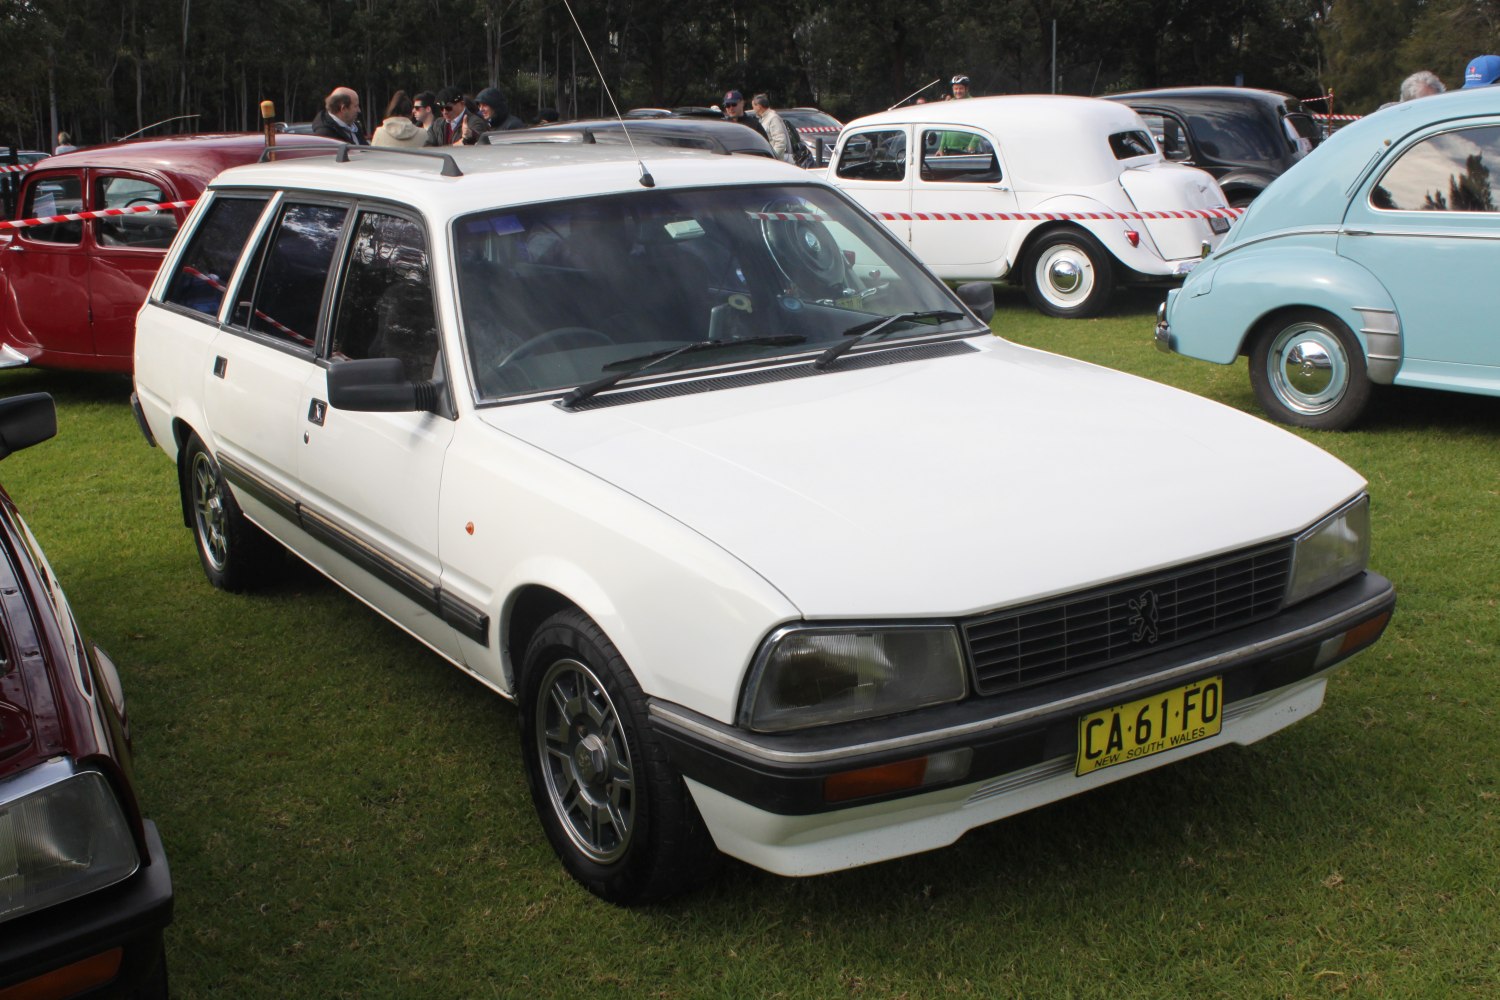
646	179
914	93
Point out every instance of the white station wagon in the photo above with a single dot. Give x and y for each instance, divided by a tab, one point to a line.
933	171
777	547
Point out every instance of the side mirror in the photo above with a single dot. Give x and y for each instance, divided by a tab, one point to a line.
25	421
979	296
377	385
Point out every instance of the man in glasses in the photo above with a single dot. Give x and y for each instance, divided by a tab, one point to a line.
424	113
734	110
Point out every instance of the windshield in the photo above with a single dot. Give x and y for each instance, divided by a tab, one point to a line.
556	295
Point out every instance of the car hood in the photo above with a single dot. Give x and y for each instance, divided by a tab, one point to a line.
1026	475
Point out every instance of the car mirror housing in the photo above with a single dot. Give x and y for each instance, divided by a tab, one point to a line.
377	385
25	421
979	296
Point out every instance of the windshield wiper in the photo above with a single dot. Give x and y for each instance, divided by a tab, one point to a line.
861	332
634	366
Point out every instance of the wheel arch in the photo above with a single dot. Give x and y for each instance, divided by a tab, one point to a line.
530	606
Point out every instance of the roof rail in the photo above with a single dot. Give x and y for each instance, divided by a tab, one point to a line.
450	165
274	154
569	135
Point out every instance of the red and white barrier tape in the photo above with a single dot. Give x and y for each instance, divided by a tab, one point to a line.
15	168
1200	213
1337	118
818	128
219	286
103	213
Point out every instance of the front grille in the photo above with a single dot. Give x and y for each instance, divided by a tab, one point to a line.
1019	647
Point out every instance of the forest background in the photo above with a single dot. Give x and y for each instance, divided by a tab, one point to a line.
101	69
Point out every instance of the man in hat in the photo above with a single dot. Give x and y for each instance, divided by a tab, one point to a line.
1482	71
734	110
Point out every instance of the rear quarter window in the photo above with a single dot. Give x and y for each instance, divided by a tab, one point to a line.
205	268
1128	145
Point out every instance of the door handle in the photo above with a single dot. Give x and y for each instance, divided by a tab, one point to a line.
221	364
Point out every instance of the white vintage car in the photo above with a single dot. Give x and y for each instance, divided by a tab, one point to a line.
936	174
777	547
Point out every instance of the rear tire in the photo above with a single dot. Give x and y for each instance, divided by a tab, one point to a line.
1308	370
1069	274
236	555
614	808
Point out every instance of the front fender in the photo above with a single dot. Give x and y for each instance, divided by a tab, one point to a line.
1222	303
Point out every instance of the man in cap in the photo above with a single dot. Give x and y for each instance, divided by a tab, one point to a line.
734	110
1482	71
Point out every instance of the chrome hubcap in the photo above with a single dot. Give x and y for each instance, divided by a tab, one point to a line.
208	511
585	760
1307	368
1065	276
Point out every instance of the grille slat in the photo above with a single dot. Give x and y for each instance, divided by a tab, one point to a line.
1025	646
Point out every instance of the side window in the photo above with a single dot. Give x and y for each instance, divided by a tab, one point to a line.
1126	145
58	195
1169	135
874	156
152	230
385	307
1443	173
281	300
957	155
209	260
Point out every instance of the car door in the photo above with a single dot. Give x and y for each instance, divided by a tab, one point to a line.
959	172
370	481
1428	228
254	394
125	254
872	167
46	268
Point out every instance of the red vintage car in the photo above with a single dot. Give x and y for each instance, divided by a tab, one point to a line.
69	291
85	890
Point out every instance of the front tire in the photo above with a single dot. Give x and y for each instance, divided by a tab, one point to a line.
1308	370
1069	275
614	809
236	555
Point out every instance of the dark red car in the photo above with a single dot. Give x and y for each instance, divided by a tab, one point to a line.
69	291
84	887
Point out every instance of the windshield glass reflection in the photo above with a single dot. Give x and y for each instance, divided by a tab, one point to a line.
557	295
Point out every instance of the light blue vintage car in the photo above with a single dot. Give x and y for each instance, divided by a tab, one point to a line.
1374	260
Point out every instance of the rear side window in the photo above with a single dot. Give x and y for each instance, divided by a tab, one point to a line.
151	230
209	260
1443	173
282	299
874	156
60	195
1131	144
958	156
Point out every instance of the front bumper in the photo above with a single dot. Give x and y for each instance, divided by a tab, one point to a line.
1163	335
763	796
129	916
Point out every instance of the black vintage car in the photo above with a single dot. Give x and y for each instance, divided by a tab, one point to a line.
1245	137
712	135
85	890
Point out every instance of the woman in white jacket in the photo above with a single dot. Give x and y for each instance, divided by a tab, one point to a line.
398	129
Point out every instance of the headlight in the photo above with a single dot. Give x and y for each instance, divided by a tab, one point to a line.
1331	551
62	834
816	676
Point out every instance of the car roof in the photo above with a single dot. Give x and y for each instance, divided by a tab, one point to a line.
1207	94
1046	138
191	159
1316	191
493	176
726	136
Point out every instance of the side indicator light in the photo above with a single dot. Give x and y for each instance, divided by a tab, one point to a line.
898	776
96	970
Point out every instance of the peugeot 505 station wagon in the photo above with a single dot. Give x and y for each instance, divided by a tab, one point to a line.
692	459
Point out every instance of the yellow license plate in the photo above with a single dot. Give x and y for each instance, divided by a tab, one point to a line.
1141	728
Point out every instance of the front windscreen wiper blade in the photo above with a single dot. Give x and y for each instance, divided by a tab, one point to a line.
634	366
861	332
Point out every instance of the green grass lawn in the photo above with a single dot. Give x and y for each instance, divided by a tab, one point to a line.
346	815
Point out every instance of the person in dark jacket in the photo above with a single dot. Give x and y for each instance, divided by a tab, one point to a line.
495	111
734	110
339	118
